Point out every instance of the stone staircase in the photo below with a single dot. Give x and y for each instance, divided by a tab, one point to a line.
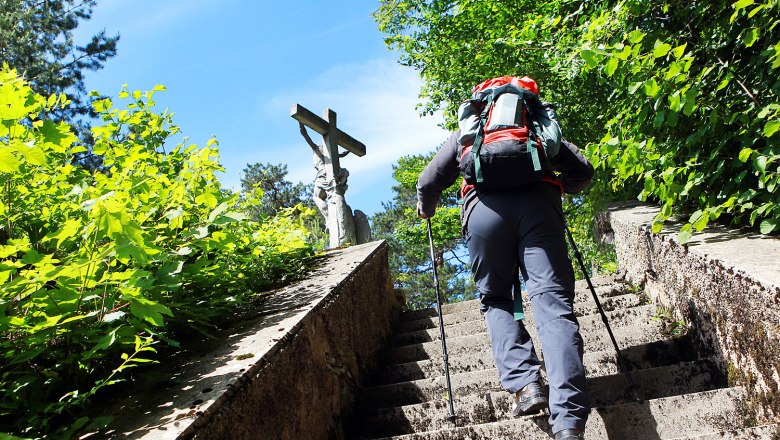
681	394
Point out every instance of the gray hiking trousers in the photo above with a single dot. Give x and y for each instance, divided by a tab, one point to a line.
524	228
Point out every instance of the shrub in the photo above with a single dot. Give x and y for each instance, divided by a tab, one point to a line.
99	266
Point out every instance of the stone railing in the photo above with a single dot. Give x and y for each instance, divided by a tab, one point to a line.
286	371
725	283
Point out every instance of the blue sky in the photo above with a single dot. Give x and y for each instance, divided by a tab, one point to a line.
234	68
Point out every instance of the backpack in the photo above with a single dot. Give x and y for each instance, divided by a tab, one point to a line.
507	136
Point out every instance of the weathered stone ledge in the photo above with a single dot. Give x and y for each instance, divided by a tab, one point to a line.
724	282
287	372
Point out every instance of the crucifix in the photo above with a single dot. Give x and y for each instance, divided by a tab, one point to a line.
331	181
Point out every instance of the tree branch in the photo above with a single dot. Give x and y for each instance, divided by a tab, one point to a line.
739	81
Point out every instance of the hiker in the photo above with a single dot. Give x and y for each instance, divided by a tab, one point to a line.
511	226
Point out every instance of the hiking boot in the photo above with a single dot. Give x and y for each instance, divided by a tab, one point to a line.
529	400
569	434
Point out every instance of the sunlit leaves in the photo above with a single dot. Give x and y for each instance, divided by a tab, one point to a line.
660	49
8	161
771	128
667	86
96	267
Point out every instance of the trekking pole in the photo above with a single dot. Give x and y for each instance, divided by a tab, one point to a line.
441	323
632	387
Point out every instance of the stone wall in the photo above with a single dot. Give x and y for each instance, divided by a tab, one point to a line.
286	371
725	283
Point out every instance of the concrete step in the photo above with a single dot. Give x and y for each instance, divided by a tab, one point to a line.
631	327
427	329
597	281
689	415
755	433
655	383
432	415
432	322
604	390
603	363
605	287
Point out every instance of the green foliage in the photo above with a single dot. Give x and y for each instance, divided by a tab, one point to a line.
36	39
676	102
95	269
458	44
273	194
277	192
675	327
407	236
695	108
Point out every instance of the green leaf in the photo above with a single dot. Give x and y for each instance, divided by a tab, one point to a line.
591	60
690	101
756	10
148	310
636	36
652	88
674	101
771	127
230	217
127	252
659	119
113	223
744	155
207	199
8	162
34	155
666	210
32	257
725	81
679	50
699	220
685	234
68	230
761	163
107	340
113	316
661	49
769	226
742	4
217	211
79	423
750	36
611	66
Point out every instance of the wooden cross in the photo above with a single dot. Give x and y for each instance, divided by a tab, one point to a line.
331	134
